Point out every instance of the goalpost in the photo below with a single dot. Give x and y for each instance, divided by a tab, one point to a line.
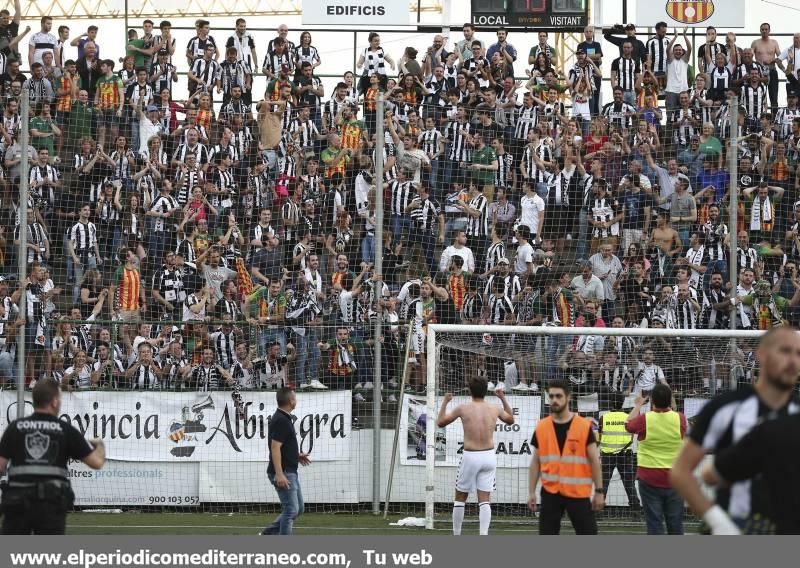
696	363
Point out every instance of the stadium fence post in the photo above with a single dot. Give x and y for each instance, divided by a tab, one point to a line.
22	251
733	219
430	429
378	295
393	460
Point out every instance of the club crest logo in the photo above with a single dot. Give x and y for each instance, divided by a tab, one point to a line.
37	444
690	11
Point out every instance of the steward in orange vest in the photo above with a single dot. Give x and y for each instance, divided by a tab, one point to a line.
567	460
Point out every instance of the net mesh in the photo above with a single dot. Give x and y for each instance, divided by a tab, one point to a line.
188	251
605	380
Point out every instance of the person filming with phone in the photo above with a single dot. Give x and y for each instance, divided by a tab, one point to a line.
660	432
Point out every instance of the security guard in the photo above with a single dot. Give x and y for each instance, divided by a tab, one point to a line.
616	451
35	451
567	461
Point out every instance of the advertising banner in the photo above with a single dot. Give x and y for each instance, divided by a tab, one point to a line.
356	12
141	426
512	443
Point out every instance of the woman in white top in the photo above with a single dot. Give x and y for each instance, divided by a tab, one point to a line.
373	60
531	209
78	376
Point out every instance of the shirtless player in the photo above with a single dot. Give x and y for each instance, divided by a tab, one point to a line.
476	472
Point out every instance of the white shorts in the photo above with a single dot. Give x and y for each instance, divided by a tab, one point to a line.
476	471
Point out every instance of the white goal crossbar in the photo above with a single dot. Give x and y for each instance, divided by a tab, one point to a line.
431	354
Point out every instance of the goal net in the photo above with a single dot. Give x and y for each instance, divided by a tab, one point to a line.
605	366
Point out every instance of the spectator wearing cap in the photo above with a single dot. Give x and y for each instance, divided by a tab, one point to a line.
149	125
785	116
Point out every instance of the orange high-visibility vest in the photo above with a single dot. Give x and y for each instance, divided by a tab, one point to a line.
568	473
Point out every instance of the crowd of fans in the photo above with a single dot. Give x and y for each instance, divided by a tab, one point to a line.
240	225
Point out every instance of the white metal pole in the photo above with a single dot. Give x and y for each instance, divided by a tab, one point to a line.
400	416
733	217
430	429
377	459
22	251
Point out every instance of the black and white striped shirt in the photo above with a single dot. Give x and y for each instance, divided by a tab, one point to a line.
532	171
429	141
36	236
627	69
494	253
685	315
747	258
208	72
504	175
306	133
426	216
331	109
783	119
527	118
290	212
709	317
162	204
512	285
459	149
657	50
754	99
721	423
618	114
500	307
197	46
479	226
84	238
721	79
274	61
604	210
684	121
225	348
402	194
232	75
146	377
199	150
472	308
715	234
206	378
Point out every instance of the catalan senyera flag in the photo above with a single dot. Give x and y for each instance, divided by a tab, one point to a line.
690	11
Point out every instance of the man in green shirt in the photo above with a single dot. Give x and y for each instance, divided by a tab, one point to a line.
81	118
136	48
44	130
484	165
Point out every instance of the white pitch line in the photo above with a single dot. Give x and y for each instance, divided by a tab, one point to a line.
72	525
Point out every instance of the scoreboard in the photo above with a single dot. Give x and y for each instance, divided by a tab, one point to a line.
563	14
